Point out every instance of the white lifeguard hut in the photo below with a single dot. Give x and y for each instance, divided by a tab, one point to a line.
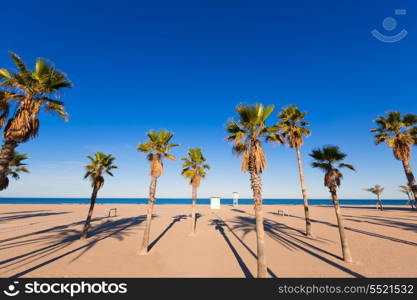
215	202
235	199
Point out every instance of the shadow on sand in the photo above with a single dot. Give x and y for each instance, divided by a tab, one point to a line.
384	221
62	237
22	212
30	214
400	225
386	207
219	224
224	224
238	210
290	238
174	220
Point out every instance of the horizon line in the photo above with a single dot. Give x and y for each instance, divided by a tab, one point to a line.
174	198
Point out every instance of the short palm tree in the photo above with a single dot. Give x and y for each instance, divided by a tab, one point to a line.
156	148
405	189
99	165
246	134
291	129
400	133
16	166
30	91
325	158
376	190
194	168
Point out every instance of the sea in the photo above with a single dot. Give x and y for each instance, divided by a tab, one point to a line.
186	201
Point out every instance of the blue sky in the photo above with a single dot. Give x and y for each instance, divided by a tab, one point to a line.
185	65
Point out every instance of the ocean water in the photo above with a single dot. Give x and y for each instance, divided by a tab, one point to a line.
188	201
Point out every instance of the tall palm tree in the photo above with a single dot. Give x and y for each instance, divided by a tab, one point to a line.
30	91
99	165
246	134
156	148
325	158
194	168
376	190
16	166
405	189
292	129
400	133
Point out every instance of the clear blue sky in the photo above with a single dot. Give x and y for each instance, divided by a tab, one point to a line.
185	65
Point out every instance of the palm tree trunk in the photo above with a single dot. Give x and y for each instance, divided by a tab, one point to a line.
152	190
193	210
410	177
347	257
6	155
304	192
380	202
90	214
260	233
411	202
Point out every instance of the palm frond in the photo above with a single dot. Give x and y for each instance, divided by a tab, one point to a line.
324	158
193	168
4	74
99	164
247	132
157	147
399	133
18	62
16	166
31	91
347	166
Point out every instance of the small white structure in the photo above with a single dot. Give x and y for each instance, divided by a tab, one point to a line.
235	199
215	202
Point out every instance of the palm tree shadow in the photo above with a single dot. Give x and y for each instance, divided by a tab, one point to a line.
22	212
197	216
219	226
31	215
368	233
315	238
174	220
386	208
383	221
35	233
238	210
270	272
116	226
65	238
285	236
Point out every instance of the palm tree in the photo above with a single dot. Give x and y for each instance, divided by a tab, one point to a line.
325	158
377	190
16	166
99	165
194	168
30	91
400	133
246	134
292	128
157	148
405	189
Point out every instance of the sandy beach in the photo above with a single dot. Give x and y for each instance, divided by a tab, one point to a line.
42	241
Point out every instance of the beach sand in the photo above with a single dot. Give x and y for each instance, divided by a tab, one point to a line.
42	241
